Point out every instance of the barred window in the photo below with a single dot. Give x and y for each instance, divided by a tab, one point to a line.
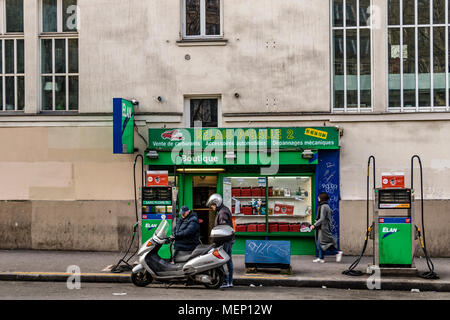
418	55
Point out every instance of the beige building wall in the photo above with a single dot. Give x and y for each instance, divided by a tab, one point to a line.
62	188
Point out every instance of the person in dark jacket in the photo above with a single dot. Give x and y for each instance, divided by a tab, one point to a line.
187	231
225	217
325	242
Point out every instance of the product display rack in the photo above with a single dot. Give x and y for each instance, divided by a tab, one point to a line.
269	218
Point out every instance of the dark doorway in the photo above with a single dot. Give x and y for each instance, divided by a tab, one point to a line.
202	188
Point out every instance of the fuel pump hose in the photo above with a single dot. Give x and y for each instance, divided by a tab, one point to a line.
350	271
431	274
118	268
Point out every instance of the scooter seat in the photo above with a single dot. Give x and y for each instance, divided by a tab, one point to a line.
201	249
184	256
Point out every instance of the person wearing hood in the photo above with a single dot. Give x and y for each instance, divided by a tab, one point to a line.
187	231
325	242
223	217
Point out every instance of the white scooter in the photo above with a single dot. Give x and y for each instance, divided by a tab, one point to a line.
204	265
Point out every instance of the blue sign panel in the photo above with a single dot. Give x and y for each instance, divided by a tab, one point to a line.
267	252
327	180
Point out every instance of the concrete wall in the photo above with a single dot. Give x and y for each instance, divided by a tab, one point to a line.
62	188
277	51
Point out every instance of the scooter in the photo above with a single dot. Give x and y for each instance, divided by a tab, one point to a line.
204	265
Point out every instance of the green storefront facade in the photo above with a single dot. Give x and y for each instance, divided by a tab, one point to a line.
268	177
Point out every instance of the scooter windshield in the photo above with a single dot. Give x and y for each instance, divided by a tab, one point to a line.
162	230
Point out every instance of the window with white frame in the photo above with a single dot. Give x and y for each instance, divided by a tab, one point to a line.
203	109
59	55
418	67
202	19
351	55
12	56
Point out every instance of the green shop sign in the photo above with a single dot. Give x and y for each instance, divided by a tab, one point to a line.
250	139
237	158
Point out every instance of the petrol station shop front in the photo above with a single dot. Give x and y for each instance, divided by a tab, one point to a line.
268	177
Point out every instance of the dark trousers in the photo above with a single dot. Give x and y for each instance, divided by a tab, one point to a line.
322	253
228	247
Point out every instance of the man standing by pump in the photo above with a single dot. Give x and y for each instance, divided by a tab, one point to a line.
225	217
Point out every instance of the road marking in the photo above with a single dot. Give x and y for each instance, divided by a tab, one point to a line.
263	277
65	274
108	268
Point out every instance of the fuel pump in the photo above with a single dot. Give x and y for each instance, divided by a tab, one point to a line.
393	228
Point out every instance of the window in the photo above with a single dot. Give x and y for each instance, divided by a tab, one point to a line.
418	55
59	56
270	204
59	16
204	110
202	19
12	56
351	58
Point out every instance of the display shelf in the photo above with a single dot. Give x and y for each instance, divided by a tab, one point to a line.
250	197
287	197
249	215
287	215
277	234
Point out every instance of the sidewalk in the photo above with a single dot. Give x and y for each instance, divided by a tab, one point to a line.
29	265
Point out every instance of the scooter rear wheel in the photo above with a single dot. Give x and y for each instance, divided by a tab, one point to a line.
141	278
217	276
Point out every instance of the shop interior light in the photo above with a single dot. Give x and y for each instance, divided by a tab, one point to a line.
201	170
307	154
153	154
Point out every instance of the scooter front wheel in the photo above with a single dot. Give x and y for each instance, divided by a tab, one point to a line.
217	276
141	278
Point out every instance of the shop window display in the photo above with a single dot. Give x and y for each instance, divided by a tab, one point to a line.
274	204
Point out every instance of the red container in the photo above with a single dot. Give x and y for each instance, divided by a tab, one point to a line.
393	180
261	227
247	210
252	227
241	228
246	192
236	192
283	227
294	227
232	209
270	191
273	227
256	192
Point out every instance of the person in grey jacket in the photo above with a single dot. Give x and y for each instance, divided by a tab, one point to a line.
224	216
325	242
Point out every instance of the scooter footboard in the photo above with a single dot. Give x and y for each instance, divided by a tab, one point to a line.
213	259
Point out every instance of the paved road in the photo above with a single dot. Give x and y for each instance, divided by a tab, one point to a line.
116	291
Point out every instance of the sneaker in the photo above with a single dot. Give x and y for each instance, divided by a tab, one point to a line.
230	285
339	256
224	286
318	260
